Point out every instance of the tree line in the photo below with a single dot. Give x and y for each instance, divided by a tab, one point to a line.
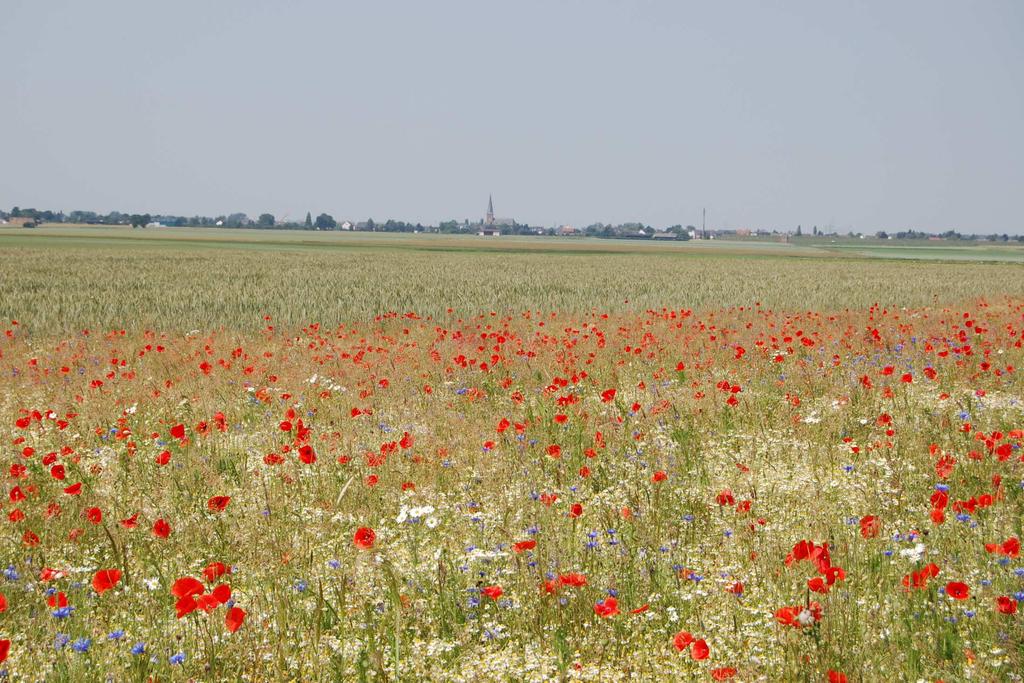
325	221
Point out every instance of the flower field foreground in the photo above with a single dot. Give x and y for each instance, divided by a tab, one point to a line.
741	494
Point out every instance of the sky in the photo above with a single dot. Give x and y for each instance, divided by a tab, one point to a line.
852	115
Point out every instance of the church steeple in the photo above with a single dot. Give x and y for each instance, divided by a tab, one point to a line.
490	210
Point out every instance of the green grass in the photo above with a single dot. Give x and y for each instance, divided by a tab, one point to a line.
70	278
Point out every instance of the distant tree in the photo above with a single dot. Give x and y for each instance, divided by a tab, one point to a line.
266	220
237	220
370	225
309	221
140	220
882	235
815	231
799	231
325	221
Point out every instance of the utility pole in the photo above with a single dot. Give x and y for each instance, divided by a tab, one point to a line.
704	223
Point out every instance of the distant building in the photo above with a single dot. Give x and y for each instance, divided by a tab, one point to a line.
568	231
489	232
346	225
21	221
490	221
664	236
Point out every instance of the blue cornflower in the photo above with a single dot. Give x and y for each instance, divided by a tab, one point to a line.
138	648
301	586
942	487
177	659
11	573
62	612
81	645
60	641
116	635
333	564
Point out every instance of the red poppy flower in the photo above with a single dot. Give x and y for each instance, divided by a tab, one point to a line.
1004	604
364	538
187	586
218	503
957	590
836	677
5	648
306	454
700	650
207	603
723	674
870	526
234	618
185	606
94	515
493	592
105	579
608	607
222	593
215	570
522	546
576	510
178	431
161	529
682	640
574	579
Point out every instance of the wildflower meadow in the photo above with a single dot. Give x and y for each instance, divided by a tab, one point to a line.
788	484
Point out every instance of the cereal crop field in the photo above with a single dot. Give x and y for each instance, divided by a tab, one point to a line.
330	457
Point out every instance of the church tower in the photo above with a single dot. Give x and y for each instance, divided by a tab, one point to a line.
490	211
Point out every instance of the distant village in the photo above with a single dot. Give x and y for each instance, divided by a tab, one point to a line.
488	226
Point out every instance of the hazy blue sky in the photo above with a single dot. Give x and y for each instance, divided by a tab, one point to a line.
862	115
